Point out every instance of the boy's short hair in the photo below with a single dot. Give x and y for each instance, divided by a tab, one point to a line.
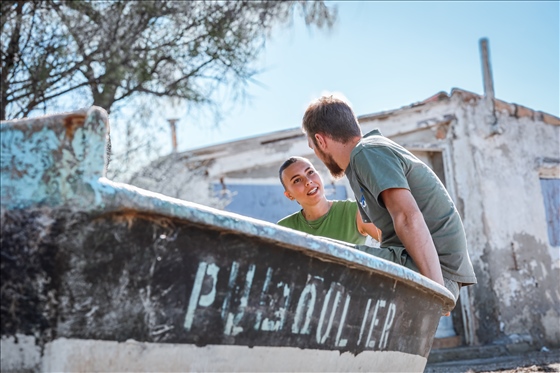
331	116
286	164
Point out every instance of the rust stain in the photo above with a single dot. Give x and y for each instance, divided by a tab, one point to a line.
441	130
514	256
71	123
128	216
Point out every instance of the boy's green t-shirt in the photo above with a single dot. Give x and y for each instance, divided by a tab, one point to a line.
339	223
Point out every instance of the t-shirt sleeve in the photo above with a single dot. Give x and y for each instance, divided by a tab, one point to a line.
353	208
364	216
380	168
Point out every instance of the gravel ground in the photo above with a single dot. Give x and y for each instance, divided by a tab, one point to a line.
554	367
548	361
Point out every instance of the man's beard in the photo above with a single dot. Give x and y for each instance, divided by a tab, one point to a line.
328	160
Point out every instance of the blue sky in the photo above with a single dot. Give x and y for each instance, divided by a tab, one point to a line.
385	55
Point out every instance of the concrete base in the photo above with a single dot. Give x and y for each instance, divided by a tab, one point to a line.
74	355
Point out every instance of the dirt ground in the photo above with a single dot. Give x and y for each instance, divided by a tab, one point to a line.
546	367
554	367
529	362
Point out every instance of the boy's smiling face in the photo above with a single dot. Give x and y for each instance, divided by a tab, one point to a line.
302	182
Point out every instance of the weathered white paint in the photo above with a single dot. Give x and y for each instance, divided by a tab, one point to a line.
70	355
19	353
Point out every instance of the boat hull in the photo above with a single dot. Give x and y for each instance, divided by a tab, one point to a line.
104	276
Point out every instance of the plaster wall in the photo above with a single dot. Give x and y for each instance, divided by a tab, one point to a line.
497	155
180	178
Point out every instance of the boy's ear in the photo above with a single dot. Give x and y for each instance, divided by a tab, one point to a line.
288	195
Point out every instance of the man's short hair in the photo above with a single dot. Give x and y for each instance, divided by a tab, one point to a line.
333	117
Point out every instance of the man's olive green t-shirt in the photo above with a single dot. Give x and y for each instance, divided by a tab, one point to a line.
339	223
378	164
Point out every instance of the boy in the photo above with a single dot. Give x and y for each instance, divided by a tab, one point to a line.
339	220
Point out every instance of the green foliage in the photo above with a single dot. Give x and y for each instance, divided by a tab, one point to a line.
107	51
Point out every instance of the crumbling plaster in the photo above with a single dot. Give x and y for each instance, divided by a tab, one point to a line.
497	176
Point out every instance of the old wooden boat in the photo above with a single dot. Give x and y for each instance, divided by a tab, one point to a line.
103	276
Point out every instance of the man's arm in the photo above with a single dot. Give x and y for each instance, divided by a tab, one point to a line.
413	232
367	228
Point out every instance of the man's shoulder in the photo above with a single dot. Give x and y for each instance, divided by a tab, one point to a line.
374	132
372	147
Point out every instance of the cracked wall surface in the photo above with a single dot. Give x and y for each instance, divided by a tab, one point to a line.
498	180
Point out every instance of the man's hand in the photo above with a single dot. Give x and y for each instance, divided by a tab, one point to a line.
367	228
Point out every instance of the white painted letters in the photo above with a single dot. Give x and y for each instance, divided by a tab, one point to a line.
322	337
233	326
306	300
342	342
270	311
204	300
387	326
